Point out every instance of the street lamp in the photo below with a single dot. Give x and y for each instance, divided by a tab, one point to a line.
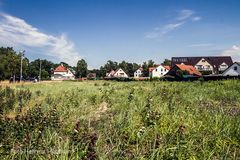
22	55
40	69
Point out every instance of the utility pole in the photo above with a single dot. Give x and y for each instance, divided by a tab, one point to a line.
22	55
40	70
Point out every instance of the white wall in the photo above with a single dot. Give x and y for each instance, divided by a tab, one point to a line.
120	73
159	71
231	72
138	73
63	76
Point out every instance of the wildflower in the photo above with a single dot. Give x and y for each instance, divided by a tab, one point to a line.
141	132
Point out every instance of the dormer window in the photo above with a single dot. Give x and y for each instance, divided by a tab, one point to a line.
223	66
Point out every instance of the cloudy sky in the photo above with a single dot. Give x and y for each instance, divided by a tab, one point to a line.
131	30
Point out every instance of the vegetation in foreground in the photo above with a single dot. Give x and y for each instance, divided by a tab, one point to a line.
121	120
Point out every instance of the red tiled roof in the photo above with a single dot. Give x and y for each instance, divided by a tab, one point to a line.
150	69
190	69
61	68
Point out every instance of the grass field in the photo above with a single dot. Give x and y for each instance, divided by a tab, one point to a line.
121	120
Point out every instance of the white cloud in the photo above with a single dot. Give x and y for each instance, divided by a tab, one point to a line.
164	30
169	27
201	45
196	18
180	20
234	51
185	14
17	33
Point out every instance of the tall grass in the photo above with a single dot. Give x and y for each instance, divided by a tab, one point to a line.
121	120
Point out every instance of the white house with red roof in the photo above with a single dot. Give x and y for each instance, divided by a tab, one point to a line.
62	73
117	74
158	71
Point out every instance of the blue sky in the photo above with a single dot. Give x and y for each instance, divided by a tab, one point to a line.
131	30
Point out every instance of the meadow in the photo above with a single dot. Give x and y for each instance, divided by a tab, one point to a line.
120	120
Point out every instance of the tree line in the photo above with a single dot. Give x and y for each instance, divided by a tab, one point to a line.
10	62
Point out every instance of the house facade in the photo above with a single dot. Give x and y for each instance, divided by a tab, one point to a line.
158	71
233	70
212	65
110	74
62	73
138	73
120	73
91	76
117	74
187	70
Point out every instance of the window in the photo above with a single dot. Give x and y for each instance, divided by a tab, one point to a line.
203	60
156	70
161	70
199	67
235	68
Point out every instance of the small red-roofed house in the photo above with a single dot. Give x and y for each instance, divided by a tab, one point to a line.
187	70
158	71
62	73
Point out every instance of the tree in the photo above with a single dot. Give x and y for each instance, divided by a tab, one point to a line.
110	65
10	63
46	68
81	69
146	66
167	62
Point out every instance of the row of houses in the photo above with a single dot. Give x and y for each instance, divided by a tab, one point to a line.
198	66
190	66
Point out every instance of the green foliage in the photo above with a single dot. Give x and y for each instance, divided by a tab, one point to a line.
146	66
46	69
10	62
9	98
206	72
154	79
26	132
122	120
167	62
81	69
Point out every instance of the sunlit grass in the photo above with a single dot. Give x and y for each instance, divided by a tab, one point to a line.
141	120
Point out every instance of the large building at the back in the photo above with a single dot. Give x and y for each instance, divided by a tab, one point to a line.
211	65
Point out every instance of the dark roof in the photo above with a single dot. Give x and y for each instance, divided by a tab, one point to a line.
213	60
